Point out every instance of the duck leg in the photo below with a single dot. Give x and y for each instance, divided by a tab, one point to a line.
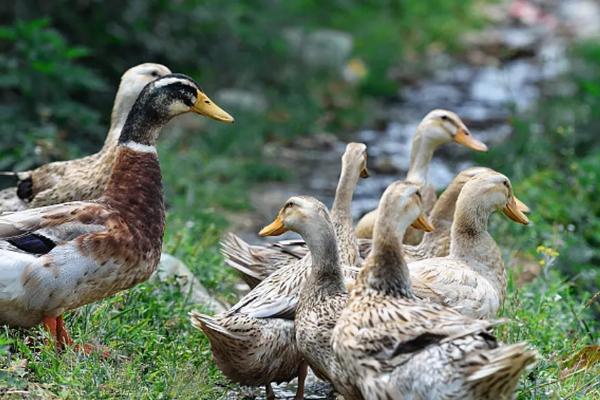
270	394
302	373
62	339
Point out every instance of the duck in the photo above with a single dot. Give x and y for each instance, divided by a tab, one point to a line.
256	262
122	230
394	345
472	277
84	178
323	295
438	127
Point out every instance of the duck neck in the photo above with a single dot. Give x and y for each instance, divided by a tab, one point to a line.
420	157
326	275
385	269
135	184
120	111
472	243
341	215
442	216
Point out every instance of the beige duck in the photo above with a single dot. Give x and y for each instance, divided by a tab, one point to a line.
393	345
437	128
122	230
472	278
256	262
323	295
84	178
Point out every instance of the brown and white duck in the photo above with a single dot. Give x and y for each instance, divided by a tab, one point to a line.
121	245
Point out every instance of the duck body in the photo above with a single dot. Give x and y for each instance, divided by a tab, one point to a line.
254	343
241	357
394	345
124	251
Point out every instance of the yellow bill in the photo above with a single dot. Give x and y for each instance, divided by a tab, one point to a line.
512	211
422	223
275	228
464	137
205	106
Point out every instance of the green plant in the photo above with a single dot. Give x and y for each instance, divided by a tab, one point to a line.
42	84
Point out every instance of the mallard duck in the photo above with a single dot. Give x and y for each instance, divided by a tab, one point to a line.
124	227
437	128
84	178
472	278
257	262
392	345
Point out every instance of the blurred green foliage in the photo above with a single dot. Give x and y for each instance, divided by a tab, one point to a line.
61	62
42	86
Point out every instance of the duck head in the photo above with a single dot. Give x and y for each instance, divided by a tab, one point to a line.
355	159
298	213
443	126
402	203
490	191
163	99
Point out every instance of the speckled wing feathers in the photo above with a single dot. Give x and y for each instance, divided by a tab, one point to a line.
27	221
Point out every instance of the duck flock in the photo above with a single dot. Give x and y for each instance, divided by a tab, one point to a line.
400	306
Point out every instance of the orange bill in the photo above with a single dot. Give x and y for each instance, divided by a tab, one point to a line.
422	223
464	137
275	228
522	206
512	211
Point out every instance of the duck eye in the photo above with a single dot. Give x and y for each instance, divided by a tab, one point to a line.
288	205
155	74
445	117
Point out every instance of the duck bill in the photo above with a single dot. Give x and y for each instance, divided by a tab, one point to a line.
364	173
275	228
205	106
512	211
464	137
422	223
522	206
